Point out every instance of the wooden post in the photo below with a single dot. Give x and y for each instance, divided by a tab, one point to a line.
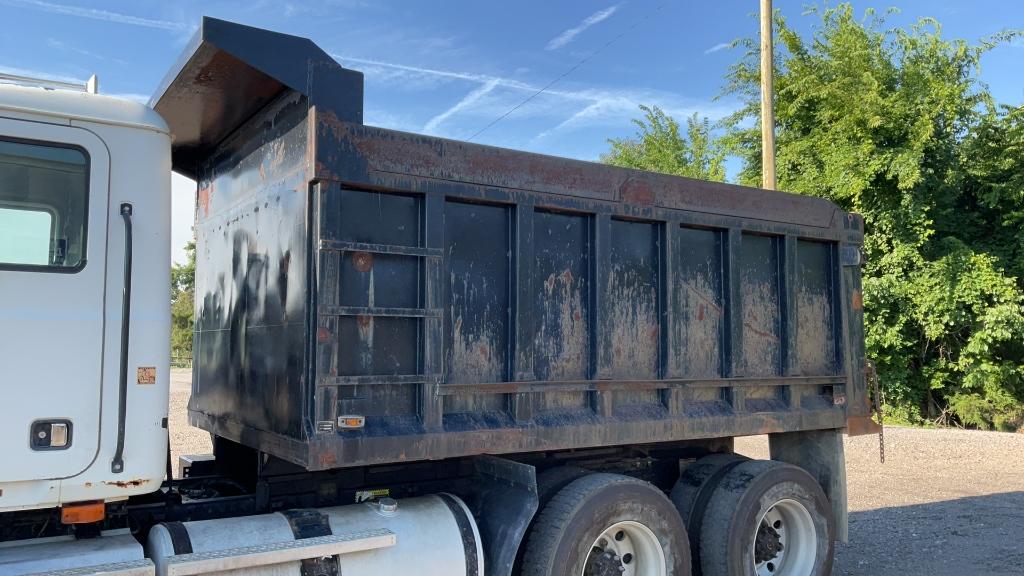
767	106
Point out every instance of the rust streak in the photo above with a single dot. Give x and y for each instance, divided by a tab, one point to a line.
362	261
127	483
761	333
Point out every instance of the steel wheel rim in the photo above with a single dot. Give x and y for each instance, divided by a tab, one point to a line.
789	525
629	545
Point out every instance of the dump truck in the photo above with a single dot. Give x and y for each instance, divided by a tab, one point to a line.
413	355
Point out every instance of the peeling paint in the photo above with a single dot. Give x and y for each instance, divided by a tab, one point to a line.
478	302
633	316
762	312
699	327
816	345
631	325
762	347
562	336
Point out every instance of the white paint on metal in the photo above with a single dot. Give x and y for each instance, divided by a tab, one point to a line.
47	555
60	345
64	105
51	345
279	553
134	568
420	537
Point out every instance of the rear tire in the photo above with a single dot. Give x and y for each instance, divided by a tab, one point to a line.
602	522
770	519
693	491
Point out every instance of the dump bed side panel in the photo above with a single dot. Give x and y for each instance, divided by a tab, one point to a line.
464	318
251	289
446	315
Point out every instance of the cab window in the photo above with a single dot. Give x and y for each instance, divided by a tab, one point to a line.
43	204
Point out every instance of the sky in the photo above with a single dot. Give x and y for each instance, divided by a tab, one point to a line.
453	68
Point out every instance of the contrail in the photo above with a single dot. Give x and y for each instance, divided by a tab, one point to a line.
96	14
568	36
466	102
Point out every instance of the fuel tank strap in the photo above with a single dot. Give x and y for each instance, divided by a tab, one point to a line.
180	540
307	523
468	535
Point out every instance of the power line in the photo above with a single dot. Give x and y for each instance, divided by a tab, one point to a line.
567	72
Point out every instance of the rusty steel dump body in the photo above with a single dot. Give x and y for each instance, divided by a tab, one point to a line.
367	296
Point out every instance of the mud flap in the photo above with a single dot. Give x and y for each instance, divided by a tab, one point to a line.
821	454
504	503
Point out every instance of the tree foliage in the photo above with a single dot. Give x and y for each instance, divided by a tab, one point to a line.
183	280
660	147
895	124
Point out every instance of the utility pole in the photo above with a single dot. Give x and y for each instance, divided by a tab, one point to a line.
767	104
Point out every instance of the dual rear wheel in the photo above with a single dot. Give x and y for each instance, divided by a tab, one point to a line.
755	517
738	517
607	525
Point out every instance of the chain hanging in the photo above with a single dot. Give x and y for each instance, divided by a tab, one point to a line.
877	402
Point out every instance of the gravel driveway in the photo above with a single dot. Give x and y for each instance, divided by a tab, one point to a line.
946	502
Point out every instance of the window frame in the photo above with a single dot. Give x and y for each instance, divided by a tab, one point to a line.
4	266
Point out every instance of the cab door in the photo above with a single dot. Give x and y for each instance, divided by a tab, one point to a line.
53	236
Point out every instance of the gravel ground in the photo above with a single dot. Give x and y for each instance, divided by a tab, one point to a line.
184	438
946	502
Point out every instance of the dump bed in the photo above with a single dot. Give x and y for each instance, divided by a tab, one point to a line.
369	296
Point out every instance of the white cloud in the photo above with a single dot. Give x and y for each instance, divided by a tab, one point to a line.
96	14
388	71
416	70
388	119
568	36
718	47
616	107
467	101
64	46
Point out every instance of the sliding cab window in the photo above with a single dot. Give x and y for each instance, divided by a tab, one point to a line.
43	206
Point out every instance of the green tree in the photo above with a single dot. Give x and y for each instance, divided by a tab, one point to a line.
183	280
893	123
660	147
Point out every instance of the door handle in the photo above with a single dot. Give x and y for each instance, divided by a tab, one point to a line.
52	434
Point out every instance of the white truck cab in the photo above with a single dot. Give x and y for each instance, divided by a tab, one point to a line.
84	216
